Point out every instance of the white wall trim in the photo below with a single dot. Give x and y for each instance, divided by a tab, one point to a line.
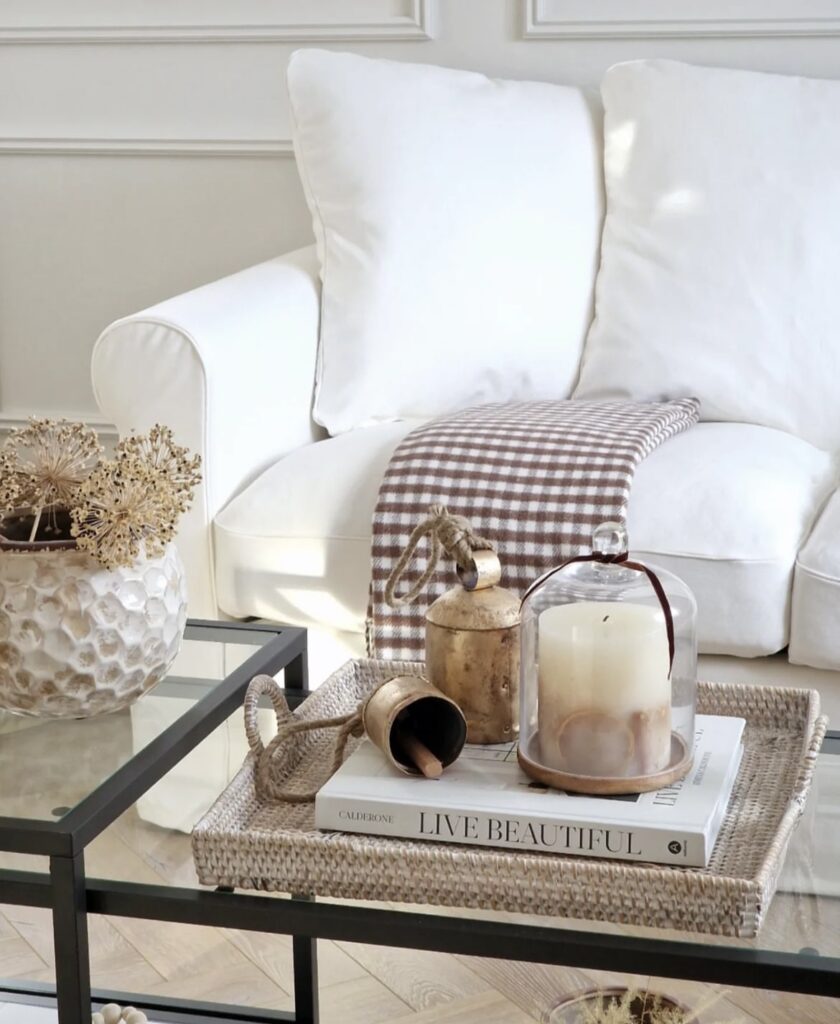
541	22
38	146
107	431
415	24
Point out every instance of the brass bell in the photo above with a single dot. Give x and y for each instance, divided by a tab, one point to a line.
472	649
420	730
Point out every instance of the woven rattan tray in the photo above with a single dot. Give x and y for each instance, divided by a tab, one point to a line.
247	844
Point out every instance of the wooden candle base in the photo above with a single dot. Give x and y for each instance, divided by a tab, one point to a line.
678	766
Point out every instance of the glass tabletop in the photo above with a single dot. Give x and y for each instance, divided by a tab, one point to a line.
48	766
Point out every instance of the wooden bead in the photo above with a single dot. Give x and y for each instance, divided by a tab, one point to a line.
111	1014
132	1016
97	1018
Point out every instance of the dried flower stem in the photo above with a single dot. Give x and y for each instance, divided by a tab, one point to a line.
119	509
35	524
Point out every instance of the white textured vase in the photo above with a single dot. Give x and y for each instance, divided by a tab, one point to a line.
78	640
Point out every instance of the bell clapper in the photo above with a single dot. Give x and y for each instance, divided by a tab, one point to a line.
424	760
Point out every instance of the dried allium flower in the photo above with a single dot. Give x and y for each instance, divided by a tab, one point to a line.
49	460
609	1010
9	483
179	473
124	512
636	1005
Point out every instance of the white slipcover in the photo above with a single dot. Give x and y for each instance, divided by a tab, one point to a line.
815	619
229	368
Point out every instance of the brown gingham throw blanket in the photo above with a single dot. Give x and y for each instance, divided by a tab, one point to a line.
533	477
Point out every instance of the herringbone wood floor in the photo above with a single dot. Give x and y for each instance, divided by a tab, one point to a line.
364	984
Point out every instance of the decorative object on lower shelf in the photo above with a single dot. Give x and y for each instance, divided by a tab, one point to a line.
630	1006
92	592
113	1014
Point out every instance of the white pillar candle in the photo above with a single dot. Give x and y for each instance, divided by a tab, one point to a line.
604	689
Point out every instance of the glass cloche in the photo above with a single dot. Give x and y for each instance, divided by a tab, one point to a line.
609	673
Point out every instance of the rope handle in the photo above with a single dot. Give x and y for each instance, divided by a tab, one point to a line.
620	559
448	533
269	687
268	773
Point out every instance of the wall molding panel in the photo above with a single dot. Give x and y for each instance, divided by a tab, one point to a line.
215	21
573	19
36	146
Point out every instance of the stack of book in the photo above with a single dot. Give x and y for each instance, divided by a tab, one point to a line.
485	799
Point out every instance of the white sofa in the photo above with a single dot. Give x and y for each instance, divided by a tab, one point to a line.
747	514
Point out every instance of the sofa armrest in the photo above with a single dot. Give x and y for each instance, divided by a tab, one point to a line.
230	367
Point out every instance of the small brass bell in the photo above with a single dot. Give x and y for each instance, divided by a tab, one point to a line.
472	649
420	730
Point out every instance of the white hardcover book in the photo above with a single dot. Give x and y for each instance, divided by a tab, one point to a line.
485	799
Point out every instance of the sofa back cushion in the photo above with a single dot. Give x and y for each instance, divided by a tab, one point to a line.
720	263
458	221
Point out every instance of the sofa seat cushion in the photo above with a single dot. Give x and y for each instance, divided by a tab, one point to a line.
725	506
294	546
814	633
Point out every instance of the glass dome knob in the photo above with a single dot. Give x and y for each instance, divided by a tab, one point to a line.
609	539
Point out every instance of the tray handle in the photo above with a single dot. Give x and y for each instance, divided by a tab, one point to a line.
263	686
270	774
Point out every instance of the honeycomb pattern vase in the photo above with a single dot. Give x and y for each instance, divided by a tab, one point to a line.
78	640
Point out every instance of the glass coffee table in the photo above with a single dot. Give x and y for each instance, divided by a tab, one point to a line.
63	782
61	790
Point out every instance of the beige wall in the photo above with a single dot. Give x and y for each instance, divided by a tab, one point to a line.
138	159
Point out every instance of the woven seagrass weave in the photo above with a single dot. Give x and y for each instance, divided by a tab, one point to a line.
246	844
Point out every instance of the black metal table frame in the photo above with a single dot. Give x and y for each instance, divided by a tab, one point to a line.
66	890
72	897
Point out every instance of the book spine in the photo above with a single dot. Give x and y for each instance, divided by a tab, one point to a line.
452	825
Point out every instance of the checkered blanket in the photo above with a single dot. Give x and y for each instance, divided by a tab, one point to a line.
533	477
